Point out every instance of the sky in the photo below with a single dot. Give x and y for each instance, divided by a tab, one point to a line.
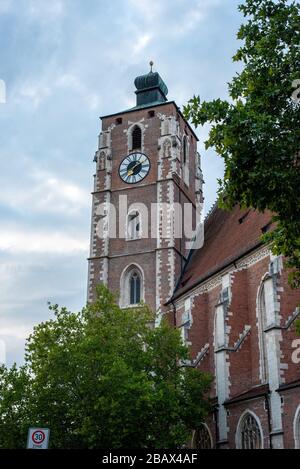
65	63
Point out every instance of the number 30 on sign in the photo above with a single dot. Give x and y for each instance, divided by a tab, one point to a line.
38	438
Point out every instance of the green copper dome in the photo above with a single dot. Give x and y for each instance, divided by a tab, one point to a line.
150	89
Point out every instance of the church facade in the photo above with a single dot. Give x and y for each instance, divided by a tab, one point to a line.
229	296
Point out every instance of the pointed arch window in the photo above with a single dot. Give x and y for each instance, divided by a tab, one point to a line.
132	287
186	170
135	288
136	138
202	438
250	436
262	321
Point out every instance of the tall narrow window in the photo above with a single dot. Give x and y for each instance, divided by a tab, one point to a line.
186	171
185	151
249	433
133	226
135	289
136	138
262	321
132	291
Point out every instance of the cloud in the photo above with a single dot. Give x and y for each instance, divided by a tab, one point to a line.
142	43
176	19
44	192
149	9
46	10
30	242
19	332
65	63
35	92
27	282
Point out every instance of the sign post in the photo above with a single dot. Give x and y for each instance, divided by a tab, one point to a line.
38	438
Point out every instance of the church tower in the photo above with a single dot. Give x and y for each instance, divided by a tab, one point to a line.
146	164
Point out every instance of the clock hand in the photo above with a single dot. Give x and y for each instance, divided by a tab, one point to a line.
130	172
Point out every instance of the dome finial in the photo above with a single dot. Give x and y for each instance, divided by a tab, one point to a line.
150	88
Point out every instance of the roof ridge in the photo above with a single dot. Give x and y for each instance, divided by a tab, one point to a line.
192	251
212	209
226	239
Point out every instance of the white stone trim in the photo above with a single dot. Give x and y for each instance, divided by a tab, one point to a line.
221	370
201	355
273	338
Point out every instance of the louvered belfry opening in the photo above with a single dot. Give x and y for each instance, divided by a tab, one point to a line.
136	138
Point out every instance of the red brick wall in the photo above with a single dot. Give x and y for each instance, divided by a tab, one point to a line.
289	300
291	403
238	318
244	366
121	253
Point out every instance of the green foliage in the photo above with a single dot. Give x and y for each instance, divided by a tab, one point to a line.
104	378
14	405
258	132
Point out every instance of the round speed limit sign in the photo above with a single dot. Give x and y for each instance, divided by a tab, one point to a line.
38	437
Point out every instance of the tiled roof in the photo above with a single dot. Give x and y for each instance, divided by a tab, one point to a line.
228	236
288	386
253	393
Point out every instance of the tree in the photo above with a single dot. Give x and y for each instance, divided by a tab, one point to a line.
258	132
105	378
14	400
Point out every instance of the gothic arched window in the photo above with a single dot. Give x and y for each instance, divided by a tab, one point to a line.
262	322
133	226
186	171
249	433
136	138
202	438
132	286
135	288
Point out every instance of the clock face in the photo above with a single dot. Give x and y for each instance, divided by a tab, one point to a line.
134	168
